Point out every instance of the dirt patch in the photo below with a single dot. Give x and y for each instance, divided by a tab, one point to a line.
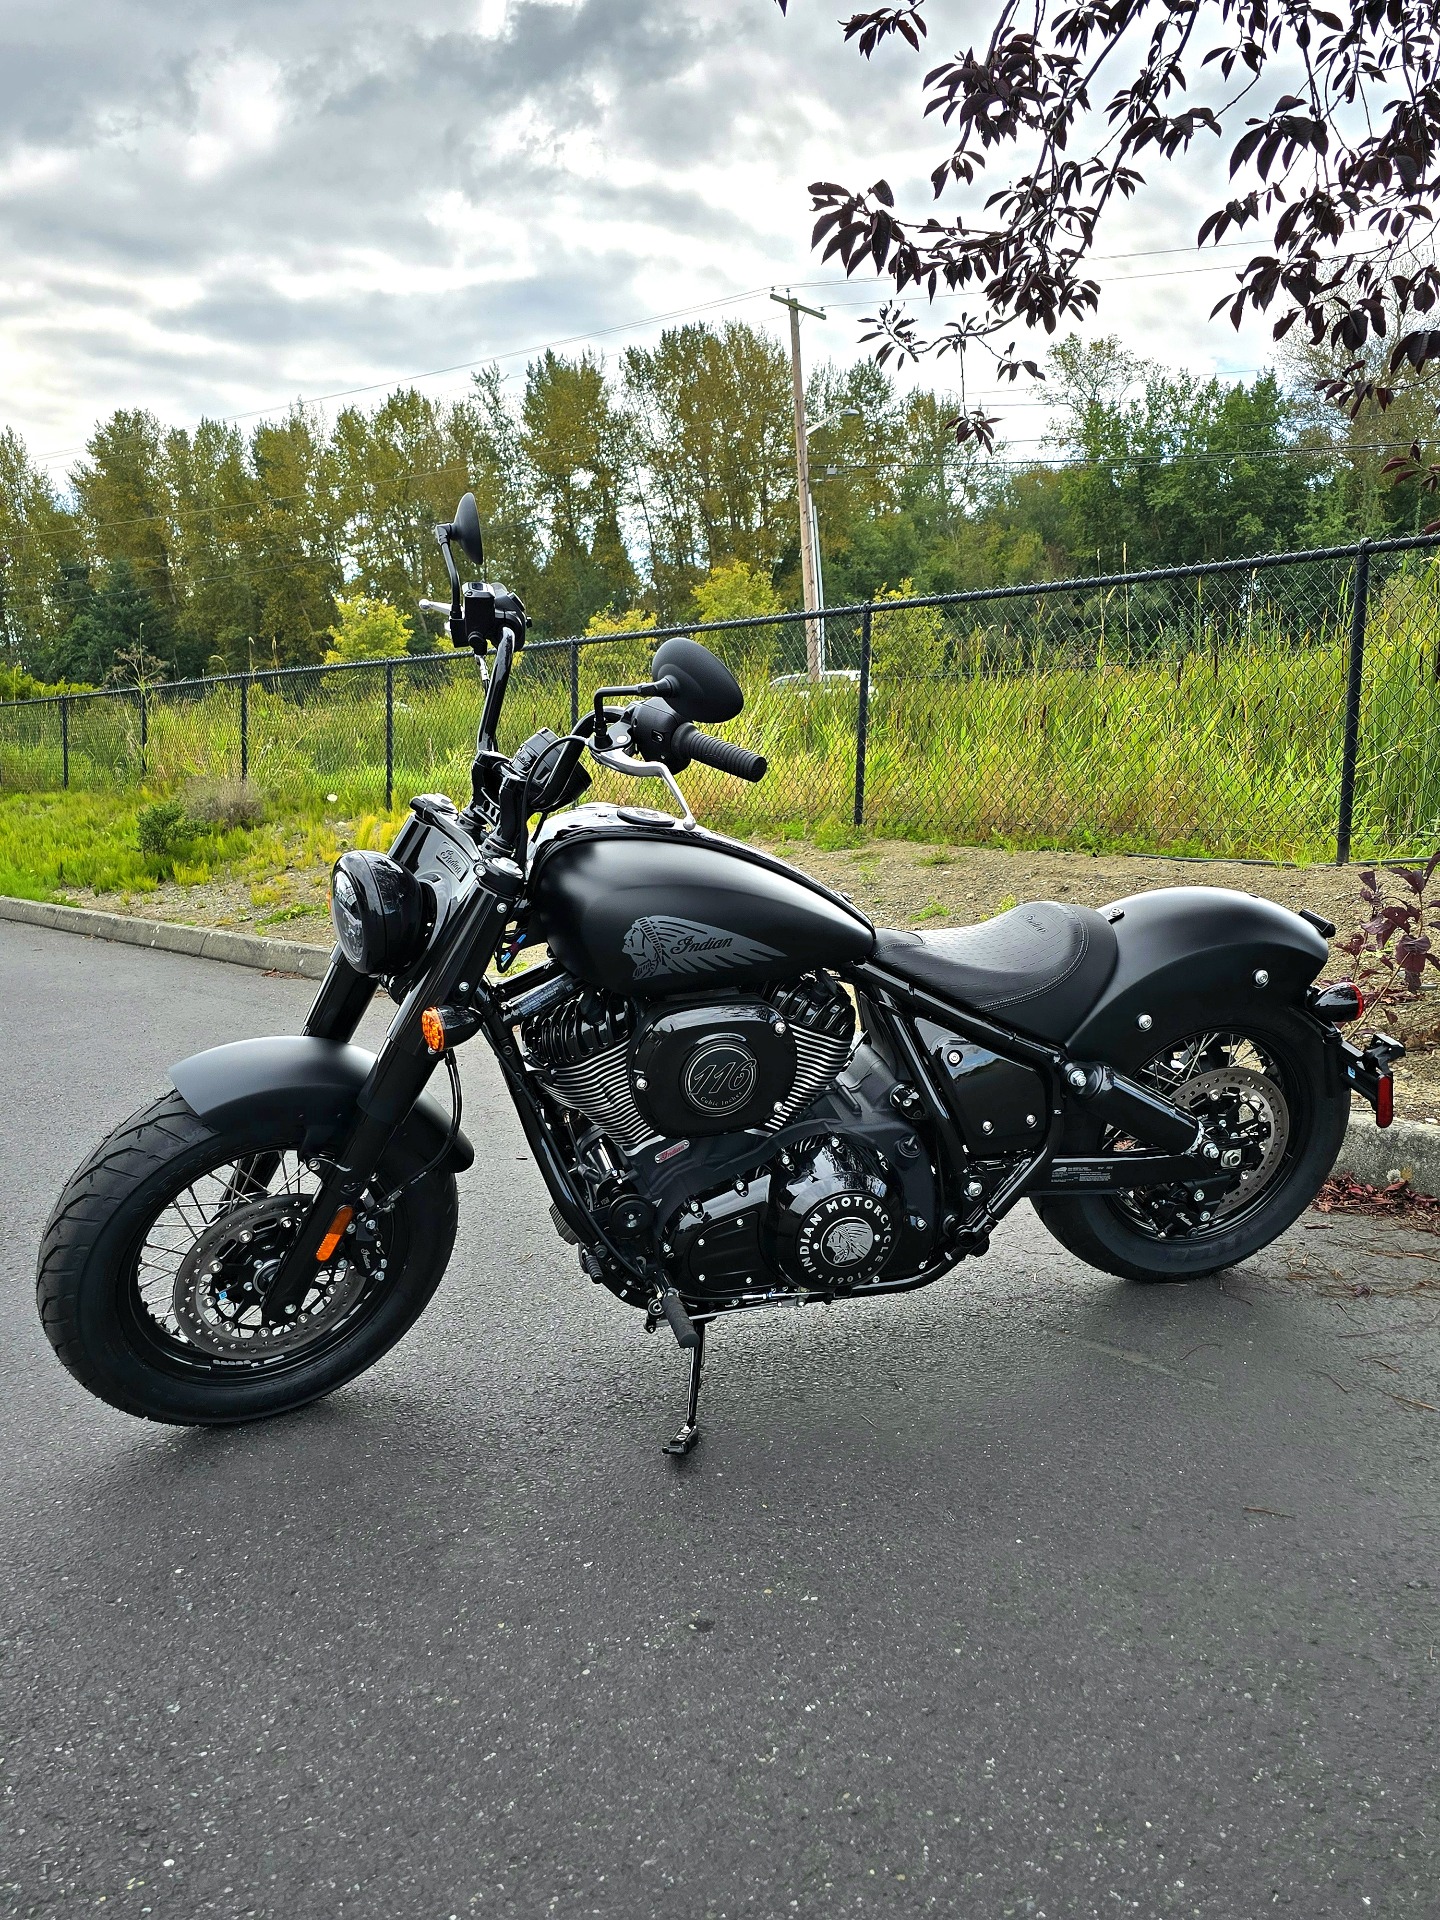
290	906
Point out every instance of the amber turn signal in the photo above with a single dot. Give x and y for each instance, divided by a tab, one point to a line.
432	1029
332	1238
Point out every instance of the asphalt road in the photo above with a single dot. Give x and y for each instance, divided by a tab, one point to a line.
1031	1594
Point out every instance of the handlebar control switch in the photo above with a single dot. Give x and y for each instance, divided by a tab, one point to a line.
486	610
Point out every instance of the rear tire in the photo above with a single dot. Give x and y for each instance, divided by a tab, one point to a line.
144	1188
1106	1232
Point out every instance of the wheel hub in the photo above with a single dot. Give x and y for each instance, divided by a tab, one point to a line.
1245	1115
219	1293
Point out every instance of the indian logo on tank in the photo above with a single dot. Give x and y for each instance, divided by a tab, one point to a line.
660	944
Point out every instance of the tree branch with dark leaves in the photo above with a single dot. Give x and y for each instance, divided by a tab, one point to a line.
1339	181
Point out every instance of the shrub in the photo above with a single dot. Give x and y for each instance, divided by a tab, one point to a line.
161	828
1393	948
368	629
225	804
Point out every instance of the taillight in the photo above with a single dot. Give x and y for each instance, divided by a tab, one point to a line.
1385	1100
1340	1003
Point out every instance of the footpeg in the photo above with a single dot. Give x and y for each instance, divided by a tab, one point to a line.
686	1333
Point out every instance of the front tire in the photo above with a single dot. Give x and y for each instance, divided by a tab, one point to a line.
1280	1086
150	1267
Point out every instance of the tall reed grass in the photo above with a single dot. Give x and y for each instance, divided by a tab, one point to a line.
1188	722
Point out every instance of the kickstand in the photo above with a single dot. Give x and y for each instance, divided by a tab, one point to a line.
685	1439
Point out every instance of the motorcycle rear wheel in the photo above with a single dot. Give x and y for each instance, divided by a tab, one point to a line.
1279	1091
152	1263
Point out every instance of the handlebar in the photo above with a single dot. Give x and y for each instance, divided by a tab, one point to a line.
725	756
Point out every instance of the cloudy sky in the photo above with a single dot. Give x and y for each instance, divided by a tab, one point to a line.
214	211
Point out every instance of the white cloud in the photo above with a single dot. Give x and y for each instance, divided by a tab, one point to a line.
216	210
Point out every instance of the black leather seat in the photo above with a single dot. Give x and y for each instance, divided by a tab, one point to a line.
1040	967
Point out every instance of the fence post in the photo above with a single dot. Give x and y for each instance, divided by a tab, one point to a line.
574	684
389	735
244	729
65	740
1353	686
144	732
862	717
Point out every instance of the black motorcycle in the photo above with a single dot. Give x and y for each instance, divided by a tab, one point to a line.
739	1093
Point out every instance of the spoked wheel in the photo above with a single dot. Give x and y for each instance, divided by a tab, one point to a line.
1262	1092
157	1260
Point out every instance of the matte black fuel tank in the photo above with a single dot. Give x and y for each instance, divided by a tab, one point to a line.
656	910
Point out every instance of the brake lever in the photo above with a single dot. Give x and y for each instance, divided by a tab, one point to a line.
645	770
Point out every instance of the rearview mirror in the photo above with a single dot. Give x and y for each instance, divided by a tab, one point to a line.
697	685
465	528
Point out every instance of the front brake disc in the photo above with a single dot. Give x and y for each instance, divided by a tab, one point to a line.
218	1299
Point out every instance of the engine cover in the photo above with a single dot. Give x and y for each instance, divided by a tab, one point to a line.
713	1069
833	1220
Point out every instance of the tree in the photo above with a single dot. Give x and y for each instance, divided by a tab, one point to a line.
735	591
575	441
713	429
113	617
39	546
367	629
1343	171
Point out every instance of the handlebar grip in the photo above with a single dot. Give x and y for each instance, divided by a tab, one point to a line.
724	755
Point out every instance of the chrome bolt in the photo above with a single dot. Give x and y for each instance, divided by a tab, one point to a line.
973	1190
954	1057
1262	978
1204	1216
246	1238
779	1107
1144	1023
780	1027
464	987
1212	1152
987	1126
641	1082
1076	1076
1031	1121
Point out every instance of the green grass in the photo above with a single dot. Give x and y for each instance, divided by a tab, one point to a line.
1204	732
52	844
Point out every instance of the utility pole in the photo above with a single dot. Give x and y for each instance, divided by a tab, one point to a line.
809	570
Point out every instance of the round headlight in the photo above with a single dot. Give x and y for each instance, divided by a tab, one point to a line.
382	913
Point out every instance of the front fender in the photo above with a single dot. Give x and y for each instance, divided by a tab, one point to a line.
289	1074
1189	956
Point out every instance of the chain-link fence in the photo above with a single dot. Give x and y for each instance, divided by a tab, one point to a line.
1280	707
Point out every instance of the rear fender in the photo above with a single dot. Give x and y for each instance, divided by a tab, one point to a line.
285	1075
1191	957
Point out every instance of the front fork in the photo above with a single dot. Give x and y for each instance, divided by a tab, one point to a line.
395	1082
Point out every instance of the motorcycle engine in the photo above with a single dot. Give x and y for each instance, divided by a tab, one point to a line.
688	1071
679	1099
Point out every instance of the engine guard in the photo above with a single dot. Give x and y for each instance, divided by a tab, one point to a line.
292	1074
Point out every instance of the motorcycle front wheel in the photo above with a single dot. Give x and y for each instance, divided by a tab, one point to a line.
153	1267
1262	1088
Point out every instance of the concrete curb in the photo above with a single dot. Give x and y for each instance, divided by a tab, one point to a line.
1406	1149
203	943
